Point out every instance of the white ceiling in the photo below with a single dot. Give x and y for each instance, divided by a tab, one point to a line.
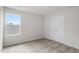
40	10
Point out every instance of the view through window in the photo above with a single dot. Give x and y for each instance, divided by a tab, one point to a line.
12	24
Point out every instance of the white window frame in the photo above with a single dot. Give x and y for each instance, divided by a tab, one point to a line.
19	26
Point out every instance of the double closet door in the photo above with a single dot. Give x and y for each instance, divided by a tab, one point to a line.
55	28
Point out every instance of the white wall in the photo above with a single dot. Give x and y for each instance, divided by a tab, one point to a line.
31	28
71	26
61	26
1	28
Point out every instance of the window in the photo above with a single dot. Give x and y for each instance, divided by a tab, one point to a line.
12	24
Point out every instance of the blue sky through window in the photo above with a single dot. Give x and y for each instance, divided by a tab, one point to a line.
12	18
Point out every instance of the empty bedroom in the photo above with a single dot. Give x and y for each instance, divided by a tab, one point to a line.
39	29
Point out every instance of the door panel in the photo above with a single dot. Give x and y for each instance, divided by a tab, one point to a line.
58	29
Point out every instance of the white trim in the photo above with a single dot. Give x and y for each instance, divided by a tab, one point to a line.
13	35
19	33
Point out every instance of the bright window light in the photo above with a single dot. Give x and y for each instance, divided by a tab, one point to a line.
12	24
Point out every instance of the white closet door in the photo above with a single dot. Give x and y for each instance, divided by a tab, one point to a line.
58	28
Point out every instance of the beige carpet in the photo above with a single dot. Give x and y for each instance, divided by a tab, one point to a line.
40	46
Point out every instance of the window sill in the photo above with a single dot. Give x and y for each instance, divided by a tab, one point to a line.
13	35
